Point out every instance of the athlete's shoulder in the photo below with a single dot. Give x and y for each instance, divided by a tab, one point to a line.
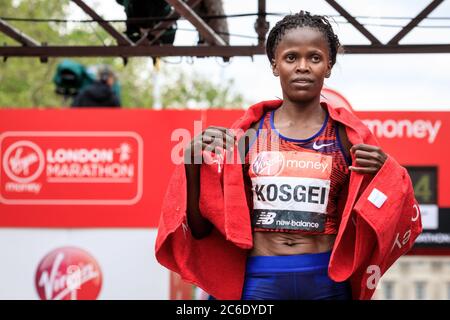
349	119
254	113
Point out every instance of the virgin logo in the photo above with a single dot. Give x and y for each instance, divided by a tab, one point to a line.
268	163
23	161
68	274
22	165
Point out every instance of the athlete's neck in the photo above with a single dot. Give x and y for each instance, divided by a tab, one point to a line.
308	112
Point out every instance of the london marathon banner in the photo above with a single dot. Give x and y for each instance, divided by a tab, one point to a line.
81	192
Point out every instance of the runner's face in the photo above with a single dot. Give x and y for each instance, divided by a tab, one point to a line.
302	61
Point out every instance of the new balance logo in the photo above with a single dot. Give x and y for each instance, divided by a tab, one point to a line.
266	218
320	146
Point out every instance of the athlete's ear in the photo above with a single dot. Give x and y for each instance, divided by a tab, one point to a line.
274	68
328	73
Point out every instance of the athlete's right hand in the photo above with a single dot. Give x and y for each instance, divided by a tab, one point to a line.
213	139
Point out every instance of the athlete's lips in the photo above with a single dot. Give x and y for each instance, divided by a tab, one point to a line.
302	80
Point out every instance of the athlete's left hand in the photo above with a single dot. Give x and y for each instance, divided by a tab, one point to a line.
368	158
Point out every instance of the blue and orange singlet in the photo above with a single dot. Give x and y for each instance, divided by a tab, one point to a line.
295	184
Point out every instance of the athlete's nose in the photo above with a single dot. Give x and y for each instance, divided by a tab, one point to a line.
302	65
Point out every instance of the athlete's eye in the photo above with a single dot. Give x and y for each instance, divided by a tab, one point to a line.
315	58
290	58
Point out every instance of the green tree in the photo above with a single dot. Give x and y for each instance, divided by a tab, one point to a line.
27	82
198	91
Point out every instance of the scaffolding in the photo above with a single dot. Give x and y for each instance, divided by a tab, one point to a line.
214	43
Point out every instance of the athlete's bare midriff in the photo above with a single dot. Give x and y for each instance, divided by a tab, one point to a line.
282	243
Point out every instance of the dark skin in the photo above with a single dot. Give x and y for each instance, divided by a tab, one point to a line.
302	62
207	140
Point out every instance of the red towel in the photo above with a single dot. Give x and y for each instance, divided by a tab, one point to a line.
380	220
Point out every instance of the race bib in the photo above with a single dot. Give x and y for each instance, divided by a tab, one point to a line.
290	190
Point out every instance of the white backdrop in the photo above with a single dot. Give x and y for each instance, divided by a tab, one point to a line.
126	259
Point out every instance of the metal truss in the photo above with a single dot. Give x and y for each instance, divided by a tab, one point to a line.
214	44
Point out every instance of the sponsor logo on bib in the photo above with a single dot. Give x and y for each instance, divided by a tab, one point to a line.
290	190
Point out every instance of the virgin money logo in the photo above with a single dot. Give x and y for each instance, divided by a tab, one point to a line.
394	129
268	163
23	161
71	168
68	273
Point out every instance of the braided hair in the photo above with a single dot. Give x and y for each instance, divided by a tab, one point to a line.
300	20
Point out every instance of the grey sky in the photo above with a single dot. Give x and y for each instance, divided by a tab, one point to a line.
369	82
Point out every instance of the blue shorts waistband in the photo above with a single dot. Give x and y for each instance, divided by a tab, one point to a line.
290	263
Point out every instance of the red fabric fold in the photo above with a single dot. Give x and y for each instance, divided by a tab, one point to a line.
367	239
